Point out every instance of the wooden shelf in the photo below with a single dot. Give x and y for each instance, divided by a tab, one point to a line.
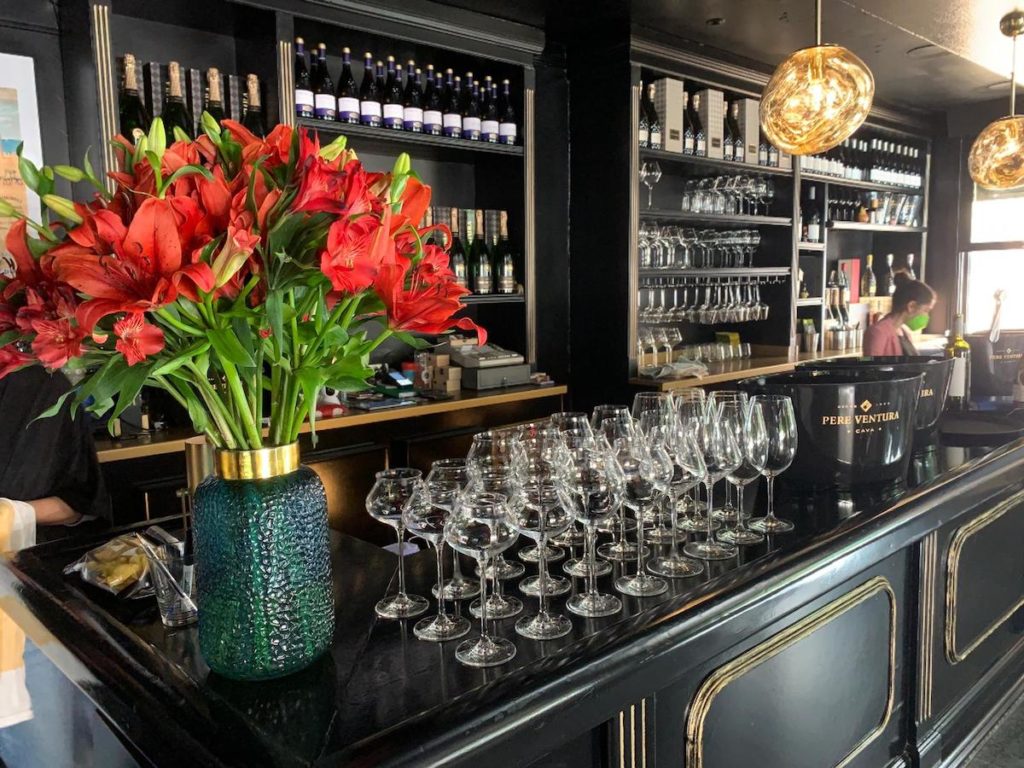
713	219
867	186
495	298
856	226
363	136
711	164
716	272
811	246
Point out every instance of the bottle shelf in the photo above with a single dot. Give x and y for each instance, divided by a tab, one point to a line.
811	246
711	164
856	226
714	219
810	301
363	136
495	298
867	186
717	272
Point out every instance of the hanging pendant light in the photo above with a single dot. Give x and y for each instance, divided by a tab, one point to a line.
816	98
997	155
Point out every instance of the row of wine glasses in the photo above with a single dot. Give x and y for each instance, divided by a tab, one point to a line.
703	300
728	195
666	246
546	481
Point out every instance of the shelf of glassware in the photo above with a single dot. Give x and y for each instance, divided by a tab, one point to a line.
407	140
494	298
711	164
716	272
712	219
867	186
856	226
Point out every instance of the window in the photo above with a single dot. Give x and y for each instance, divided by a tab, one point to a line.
996	217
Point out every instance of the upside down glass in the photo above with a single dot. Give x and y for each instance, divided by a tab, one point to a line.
386	502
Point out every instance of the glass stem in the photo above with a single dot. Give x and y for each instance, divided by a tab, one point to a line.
457	576
401	562
711	506
639	540
542	573
771	497
741	524
591	545
622	526
483	597
673	514
440	580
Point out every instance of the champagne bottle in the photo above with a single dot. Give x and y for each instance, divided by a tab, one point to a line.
214	105
688	135
814	220
700	146
479	256
890	276
960	381
369	95
133	118
644	135
471	123
304	102
412	100
394	111
176	114
910	266
456	251
489	126
653	121
451	117
739	146
773	156
432	117
348	94
844	295
506	116
325	103
762	150
868	283
504	258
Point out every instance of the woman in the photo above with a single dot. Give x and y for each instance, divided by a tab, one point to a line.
911	303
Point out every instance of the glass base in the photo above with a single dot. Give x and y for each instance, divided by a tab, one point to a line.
614	525
457	589
485	651
710	550
401	606
544	626
503	569
641	585
725	515
770	525
675	567
698	524
502	607
531	554
619	551
571	538
553	586
659	535
740	536
581	568
594	604
437	629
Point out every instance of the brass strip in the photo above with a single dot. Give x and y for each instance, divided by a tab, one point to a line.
285	79
926	620
732	670
634	225
106	93
261	464
632	736
622	740
643	733
628	758
529	225
953	654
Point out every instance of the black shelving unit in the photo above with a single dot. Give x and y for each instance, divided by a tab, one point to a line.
716	220
805	246
495	298
717	272
867	186
856	226
420	144
712	165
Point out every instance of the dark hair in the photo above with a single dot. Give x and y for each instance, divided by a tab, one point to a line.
908	290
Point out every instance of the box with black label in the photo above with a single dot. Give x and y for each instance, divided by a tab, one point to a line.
712	116
670	101
750	128
497	377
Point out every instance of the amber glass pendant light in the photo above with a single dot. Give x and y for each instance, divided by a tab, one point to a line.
997	155
816	98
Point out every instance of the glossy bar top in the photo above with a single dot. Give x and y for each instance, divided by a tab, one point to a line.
382	697
733	370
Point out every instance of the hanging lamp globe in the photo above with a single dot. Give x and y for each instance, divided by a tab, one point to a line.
815	99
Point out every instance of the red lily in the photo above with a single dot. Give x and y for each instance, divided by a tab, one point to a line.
11	360
56	342
137	339
355	250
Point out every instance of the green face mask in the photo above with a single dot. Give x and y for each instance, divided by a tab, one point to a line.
917	322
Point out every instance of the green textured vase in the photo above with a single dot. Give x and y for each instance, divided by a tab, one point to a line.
263	572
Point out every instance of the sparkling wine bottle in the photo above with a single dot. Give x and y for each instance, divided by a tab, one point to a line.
133	118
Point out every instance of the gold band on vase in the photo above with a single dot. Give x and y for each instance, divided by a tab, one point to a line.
261	464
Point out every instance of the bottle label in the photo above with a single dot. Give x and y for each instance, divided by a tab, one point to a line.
432	121
688	143
507	133
489	130
701	147
655	139
471	128
644	137
958	381
506	284
394	114
370	113
452	123
728	150
348	109
325	106
740	156
304	104
813	233
412	118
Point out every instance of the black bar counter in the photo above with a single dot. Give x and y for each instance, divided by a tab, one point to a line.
885	631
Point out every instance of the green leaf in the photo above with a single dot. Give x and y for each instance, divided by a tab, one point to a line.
154	162
69	172
180	135
157	137
188	170
196	412
243	333
311	380
131	385
228	348
54	409
275	313
347	368
413	341
27	169
102	385
181	358
87	167
46	185
8	336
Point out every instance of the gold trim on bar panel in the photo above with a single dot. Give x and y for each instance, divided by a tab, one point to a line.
953	654
634	226
106	93
261	464
286	80
926	621
529	224
631	758
736	668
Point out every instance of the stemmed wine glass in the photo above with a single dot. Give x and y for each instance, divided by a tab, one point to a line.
639	470
453	471
747	424
541	450
495	476
691	407
424	516
613	422
573	423
479	528
392	489
780	424
579	449
721	457
687	471
726	513
496	449
650	174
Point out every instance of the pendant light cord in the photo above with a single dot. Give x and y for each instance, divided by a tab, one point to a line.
1013	79
817	22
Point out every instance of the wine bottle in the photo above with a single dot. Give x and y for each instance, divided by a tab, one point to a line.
381	72
432	116
689	141
412	100
728	140
456	251
369	94
471	123
348	93
133	118
394	111
832	297
504	258
814	220
176	113
739	145
868	282
844	295
325	103
700	146
214	105
653	121
762	150
451	117
910	266
479	256
304	103
644	133
489	126
253	119
890	276
959	350
773	156
506	116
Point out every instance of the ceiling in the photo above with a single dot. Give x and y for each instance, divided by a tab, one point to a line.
927	54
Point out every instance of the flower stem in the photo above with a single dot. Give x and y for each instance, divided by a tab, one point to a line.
241	402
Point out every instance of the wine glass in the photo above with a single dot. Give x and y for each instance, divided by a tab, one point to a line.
650	174
613	422
386	501
479	528
721	457
538	459
727	512
780	424
747	424
639	470
573	423
540	515
458	587
656	427
660	403
687	471
577	449
592	490
495	476
429	506
691	407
